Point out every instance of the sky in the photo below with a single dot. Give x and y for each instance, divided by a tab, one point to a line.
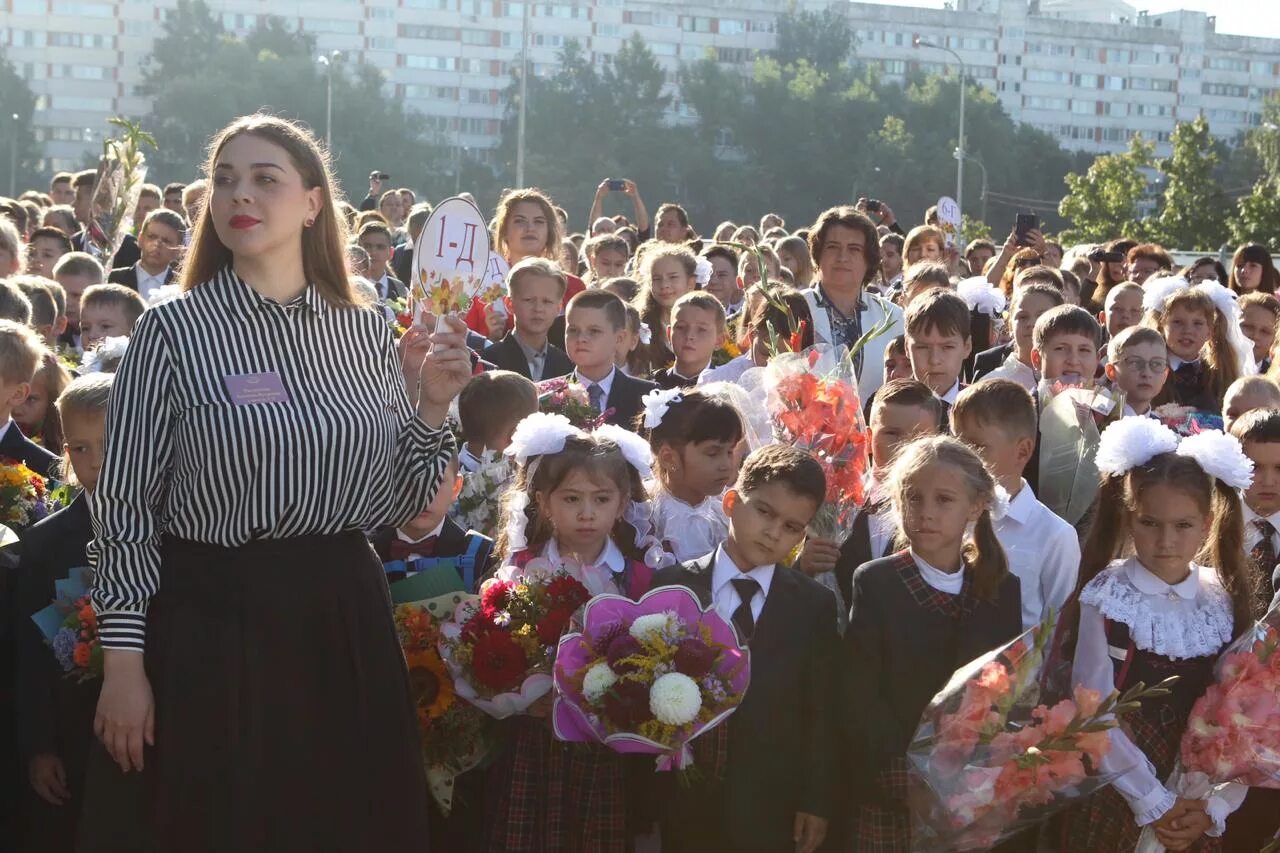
1235	17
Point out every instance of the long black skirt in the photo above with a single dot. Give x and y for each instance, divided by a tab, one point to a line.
283	717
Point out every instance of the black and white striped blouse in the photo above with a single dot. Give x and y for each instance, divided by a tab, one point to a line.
345	451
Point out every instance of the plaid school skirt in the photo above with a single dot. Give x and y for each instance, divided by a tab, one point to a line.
547	796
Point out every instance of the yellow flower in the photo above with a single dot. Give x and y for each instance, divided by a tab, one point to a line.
429	684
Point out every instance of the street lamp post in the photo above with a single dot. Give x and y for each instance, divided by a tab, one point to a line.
967	156
524	95
13	157
919	42
328	62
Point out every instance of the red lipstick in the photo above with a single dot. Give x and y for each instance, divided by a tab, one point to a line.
242	222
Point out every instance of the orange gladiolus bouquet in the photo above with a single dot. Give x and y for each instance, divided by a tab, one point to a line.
813	405
989	758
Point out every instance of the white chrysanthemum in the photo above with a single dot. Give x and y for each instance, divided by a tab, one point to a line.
1221	456
650	623
675	699
1130	442
597	682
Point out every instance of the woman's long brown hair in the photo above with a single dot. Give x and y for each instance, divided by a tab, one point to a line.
324	261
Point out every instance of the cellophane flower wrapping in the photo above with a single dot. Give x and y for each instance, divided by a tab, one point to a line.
990	759
566	396
648	676
813	405
1186	420
456	736
479	504
500	649
1233	733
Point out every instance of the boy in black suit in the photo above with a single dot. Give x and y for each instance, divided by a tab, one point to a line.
20	355
536	288
771	790
375	238
596	324
432	538
938	342
160	241
697	330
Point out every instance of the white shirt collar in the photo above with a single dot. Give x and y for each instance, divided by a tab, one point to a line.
1022	504
948	582
950	397
5	429
1175	362
1249	516
468	460
611	558
400	534
606	384
725	569
148	282
1149	584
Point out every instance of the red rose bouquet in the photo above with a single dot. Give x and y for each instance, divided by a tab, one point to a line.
813	405
648	676
1233	734
501	651
989	758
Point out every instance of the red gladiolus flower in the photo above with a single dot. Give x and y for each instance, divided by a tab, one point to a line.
497	661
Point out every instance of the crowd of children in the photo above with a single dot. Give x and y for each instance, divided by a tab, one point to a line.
951	554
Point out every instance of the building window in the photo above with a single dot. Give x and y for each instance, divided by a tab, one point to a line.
1084	108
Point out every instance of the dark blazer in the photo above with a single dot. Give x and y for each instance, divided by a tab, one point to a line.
625	397
903	643
452	542
54	714
507	355
402	262
988	360
395	287
128	276
17	446
126	256
780	757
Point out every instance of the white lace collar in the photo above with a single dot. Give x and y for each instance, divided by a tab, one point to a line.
1190	619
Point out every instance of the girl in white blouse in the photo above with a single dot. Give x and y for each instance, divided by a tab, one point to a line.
694	436
1155	614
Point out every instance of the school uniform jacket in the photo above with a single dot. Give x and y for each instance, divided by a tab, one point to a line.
988	360
451	541
780	757
904	641
17	446
508	355
625	399
128	276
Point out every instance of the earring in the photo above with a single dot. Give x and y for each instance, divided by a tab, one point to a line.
308	223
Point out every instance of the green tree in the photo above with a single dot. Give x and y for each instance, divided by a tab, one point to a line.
824	39
19	151
1191	211
1259	212
1103	203
201	78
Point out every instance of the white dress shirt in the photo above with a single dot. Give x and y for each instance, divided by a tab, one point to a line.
1251	532
148	283
724	595
729	372
1175	362
468	460
1016	371
1043	553
400	534
949	582
950	397
1192	618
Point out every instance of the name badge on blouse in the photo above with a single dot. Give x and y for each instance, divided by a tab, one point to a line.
249	389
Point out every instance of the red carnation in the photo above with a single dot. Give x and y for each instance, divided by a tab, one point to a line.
627	704
495	595
496	660
623	646
567	592
551	626
694	658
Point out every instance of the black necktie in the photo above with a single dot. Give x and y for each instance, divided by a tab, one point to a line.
742	618
1263	558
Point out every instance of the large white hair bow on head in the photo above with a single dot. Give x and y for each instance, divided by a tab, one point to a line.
1156	295
539	434
1220	456
1134	441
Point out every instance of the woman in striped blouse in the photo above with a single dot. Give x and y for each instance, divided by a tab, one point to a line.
260	422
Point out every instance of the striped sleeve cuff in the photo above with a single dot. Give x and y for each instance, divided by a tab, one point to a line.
429	441
123	631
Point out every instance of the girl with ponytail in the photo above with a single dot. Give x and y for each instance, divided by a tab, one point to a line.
916	617
1164	586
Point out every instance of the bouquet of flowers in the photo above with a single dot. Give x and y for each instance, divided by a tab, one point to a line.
648	676
990	759
566	396
501	651
1072	417
400	315
478	506
455	735
1233	734
1185	420
812	400
24	495
116	189
725	353
70	626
